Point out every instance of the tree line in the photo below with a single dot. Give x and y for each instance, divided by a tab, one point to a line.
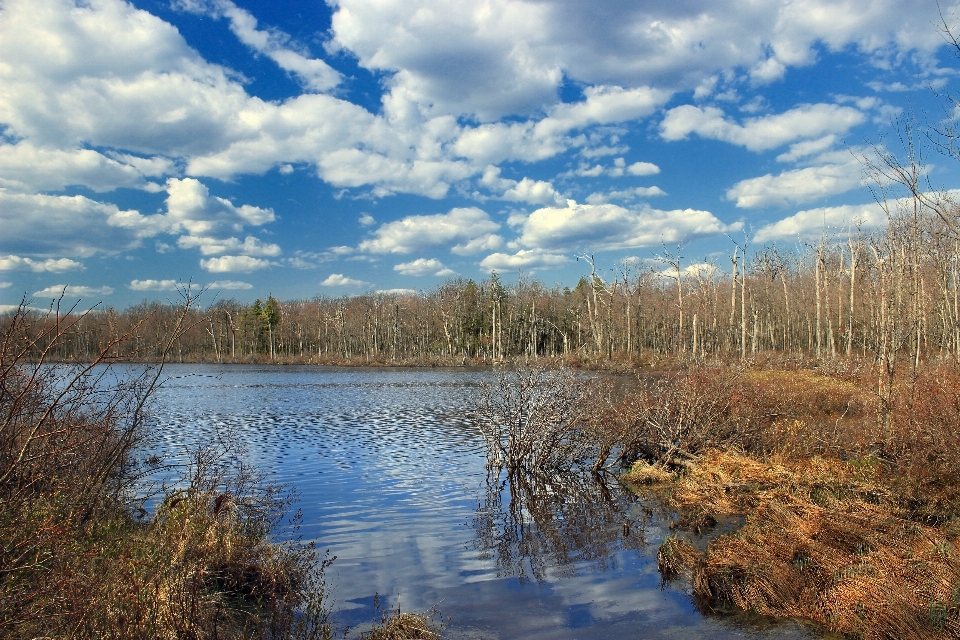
888	294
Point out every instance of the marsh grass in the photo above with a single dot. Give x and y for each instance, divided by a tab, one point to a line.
850	517
76	559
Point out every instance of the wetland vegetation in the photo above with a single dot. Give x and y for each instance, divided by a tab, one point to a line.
800	424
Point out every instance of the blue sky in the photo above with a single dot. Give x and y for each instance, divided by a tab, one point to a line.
303	148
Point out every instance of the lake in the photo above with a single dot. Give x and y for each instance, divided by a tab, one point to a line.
392	479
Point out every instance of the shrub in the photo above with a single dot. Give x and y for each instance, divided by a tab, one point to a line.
76	562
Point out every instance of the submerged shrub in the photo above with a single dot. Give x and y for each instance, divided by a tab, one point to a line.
536	420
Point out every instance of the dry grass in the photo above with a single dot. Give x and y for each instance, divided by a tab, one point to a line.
404	626
850	502
823	540
76	563
642	472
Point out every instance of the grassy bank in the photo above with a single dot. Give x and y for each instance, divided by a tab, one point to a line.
81	558
847	495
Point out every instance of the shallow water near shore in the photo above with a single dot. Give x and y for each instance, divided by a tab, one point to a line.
391	478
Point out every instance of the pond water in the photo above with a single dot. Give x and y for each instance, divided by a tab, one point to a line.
391	478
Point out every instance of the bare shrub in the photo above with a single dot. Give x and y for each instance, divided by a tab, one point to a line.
74	560
677	417
535	420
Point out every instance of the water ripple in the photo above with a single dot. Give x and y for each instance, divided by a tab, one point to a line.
391	477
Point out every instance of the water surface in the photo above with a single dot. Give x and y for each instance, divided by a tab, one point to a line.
392	479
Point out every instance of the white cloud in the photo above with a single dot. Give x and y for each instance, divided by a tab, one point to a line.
525	190
609	226
5	285
366	220
79	226
603	150
230	285
532	192
508	57
68	225
50	265
761	133
68	291
807	148
767	71
529	259
106	74
229	264
536	140
340	280
211	246
424	267
619	168
191	208
153	285
643	169
467	229
27	168
838	172
831	220
314	74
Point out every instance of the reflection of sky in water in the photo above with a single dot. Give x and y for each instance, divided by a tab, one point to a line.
391	478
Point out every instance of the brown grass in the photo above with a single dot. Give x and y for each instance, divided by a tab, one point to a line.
823	540
75	562
851	506
404	626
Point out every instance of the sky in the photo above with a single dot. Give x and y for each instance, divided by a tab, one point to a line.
302	148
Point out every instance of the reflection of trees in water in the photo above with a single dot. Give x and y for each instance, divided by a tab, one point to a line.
531	524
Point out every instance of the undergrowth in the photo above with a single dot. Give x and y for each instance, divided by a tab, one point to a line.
851	508
80	558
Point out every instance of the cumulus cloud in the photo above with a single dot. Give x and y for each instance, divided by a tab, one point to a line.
191	208
313	73
760	133
468	230
153	285
69	291
106	74
609	226
536	140
27	168
532	192
811	223
836	172
50	265
78	226
230	285
340	280
643	169
508	57
619	169
529	259
229	264
806	148
424	267
211	246
68	225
